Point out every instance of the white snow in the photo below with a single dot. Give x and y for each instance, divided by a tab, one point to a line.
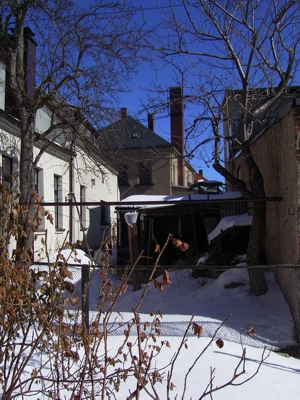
135	199
77	256
211	303
230	222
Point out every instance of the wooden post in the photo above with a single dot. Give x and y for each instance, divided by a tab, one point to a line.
135	242
130	241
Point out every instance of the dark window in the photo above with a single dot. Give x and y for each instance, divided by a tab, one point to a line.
36	180
7	168
123	176
58	198
145	175
82	207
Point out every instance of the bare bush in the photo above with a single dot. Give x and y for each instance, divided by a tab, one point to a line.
48	351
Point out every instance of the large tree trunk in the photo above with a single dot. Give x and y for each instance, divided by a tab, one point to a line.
24	251
255	251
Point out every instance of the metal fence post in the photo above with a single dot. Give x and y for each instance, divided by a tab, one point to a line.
85	277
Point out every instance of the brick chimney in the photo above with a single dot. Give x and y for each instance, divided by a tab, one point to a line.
124	112
151	122
177	128
29	62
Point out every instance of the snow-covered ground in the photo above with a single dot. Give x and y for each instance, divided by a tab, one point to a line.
210	302
278	378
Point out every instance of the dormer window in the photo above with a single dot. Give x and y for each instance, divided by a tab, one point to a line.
136	135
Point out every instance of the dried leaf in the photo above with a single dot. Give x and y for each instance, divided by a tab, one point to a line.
177	242
70	287
172	386
220	343
143	336
166	278
198	330
157	248
146	325
158	285
33	373
184	246
251	331
50	218
72	354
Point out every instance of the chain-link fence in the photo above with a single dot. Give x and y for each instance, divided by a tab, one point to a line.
174	296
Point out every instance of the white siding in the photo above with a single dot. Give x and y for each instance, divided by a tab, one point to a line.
56	161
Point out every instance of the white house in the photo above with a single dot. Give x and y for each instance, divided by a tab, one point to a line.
70	168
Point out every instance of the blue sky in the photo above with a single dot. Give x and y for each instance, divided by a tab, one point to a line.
144	81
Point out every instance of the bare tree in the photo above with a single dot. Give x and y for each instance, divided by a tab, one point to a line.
58	53
242	54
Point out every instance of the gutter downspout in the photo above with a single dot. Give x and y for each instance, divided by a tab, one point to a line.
71	186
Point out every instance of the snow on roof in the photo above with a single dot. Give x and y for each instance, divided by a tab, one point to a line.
135	199
230	222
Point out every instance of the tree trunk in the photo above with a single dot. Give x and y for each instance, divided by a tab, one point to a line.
24	251
255	251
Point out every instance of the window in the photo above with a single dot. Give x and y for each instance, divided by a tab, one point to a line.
58	198
82	210
145	175
173	174
36	180
123	176
38	187
7	168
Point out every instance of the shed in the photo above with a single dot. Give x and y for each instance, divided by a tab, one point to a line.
188	218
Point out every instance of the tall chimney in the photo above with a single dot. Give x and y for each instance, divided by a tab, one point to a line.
151	122
29	61
29	64
177	128
124	112
176	111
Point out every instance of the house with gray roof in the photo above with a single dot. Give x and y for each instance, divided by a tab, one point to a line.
147	163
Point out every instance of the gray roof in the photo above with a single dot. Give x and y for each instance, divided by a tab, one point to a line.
129	133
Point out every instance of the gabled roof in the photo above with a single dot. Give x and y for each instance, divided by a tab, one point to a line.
128	133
